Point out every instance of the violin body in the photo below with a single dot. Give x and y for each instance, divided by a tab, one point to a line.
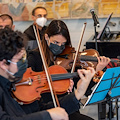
82	57
66	58
87	58
35	83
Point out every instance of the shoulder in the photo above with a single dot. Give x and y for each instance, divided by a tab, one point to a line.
44	28
35	61
28	29
30	33
33	53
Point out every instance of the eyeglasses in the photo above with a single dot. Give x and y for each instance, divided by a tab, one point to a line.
40	15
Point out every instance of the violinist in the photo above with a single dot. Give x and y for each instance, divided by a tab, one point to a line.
53	44
55	39
13	64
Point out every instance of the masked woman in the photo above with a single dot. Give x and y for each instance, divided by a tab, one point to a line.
55	39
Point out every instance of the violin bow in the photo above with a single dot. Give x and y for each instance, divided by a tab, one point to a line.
53	94
80	41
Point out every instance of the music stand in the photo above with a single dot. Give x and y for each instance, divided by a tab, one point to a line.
107	88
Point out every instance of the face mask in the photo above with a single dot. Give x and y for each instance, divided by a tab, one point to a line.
22	66
41	21
56	49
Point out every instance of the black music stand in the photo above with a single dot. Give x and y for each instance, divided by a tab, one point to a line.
107	88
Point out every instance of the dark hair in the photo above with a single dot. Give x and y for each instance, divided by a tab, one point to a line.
33	11
11	42
56	27
6	16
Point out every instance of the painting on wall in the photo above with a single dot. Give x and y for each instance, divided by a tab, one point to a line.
21	10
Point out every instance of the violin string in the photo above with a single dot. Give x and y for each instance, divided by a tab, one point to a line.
39	78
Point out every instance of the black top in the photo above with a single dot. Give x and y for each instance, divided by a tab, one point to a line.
31	35
10	109
35	61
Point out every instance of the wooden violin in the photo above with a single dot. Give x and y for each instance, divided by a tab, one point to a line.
35	83
87	58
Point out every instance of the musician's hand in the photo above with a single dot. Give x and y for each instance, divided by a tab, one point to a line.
102	63
82	85
58	113
71	86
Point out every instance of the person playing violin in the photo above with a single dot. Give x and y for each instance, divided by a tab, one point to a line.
13	64
54	43
55	39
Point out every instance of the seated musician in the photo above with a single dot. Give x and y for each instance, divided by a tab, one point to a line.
53	44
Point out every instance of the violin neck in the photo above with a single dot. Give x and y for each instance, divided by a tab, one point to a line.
88	58
94	59
64	76
113	60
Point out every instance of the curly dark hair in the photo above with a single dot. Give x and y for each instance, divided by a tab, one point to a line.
11	42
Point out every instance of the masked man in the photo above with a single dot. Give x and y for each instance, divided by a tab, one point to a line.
39	16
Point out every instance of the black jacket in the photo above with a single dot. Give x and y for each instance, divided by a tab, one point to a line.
29	32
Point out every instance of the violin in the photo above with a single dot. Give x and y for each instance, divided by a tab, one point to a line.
34	84
87	58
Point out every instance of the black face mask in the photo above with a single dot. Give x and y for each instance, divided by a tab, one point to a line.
56	49
22	67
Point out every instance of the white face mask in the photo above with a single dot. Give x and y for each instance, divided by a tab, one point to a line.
41	21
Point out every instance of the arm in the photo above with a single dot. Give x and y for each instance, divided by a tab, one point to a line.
82	85
51	114
102	63
71	102
44	115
